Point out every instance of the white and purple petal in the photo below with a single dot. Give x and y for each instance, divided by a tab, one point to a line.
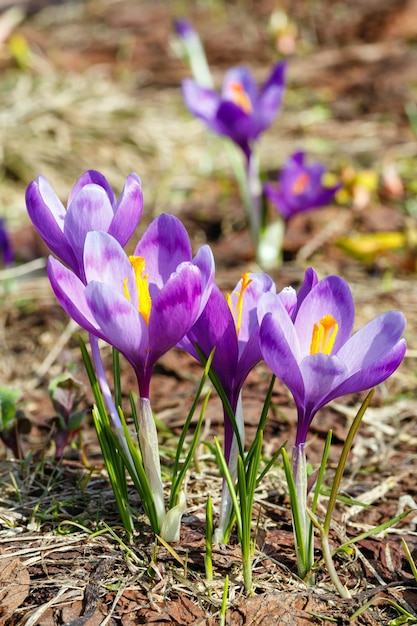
91	177
128	210
174	310
373	353
48	216
239	76
164	245
200	101
105	261
331	296
281	351
120	323
89	210
204	260
70	293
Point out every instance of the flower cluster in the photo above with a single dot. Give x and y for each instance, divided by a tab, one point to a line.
161	296
241	113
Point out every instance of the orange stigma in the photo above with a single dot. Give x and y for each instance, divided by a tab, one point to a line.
240	97
301	183
324	335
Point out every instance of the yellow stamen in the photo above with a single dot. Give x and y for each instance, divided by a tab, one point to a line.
301	183
126	289
240	97
324	335
142	286
237	313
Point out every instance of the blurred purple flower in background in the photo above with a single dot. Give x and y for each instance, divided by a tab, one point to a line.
6	250
242	111
185	29
300	187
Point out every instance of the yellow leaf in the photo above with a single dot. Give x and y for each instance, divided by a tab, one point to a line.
19	49
368	245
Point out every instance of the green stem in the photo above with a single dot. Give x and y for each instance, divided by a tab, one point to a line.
149	448
342	461
327	557
208	557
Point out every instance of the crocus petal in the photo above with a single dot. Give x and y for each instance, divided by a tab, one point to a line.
105	261
91	177
70	292
119	321
204	260
288	297
174	310
276	77
258	285
216	328
128	210
310	281
249	355
300	187
331	296
373	353
321	373
165	244
239	76
267	106
233	122
276	196
281	351
201	102
184	28
6	249
89	210
48	216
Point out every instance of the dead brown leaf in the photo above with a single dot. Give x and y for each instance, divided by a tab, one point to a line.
14	586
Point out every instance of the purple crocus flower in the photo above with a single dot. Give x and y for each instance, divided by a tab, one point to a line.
144	304
6	250
314	352
185	29
242	112
300	187
231	326
91	206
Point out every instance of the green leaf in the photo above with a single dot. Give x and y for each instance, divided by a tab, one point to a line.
8	400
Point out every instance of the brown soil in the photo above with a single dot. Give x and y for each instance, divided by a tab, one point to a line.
102	90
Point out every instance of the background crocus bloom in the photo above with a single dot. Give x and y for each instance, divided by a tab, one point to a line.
91	206
6	251
300	187
242	112
185	29
316	355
